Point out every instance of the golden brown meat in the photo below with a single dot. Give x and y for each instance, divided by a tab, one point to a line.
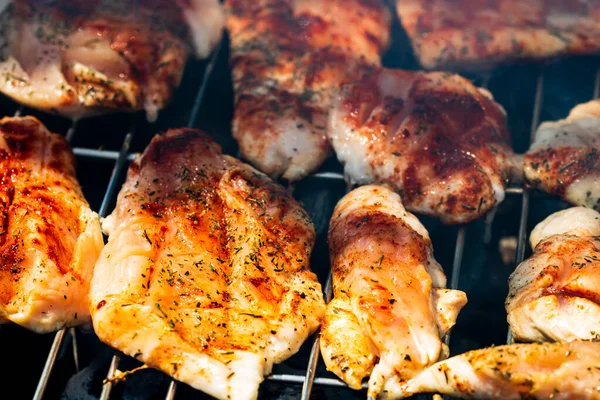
469	34
288	58
81	57
564	159
49	237
555	294
438	140
390	307
559	371
206	272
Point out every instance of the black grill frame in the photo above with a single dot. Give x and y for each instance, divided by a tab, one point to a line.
214	75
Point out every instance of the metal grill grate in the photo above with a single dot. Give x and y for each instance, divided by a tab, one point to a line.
311	374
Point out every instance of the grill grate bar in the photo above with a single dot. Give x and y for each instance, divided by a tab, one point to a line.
311	370
71	131
73	333
522	239
116	172
291	378
101	154
107	386
172	390
202	89
43	382
336	176
456	266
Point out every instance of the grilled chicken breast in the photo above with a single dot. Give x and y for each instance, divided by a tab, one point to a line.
205	275
288	58
564	159
50	238
79	58
517	371
555	294
469	34
434	137
390	307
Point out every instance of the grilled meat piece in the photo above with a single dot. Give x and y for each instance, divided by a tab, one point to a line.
555	294
564	159
517	371
390	307
79	58
468	34
50	238
205	275
434	137
288	59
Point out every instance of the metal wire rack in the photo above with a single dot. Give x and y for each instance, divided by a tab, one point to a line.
310	376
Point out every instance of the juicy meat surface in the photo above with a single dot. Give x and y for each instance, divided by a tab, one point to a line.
555	294
288	58
438	140
390	308
49	237
564	159
79	58
205	275
468	34
517	371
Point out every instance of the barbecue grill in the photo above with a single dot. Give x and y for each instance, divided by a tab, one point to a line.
73	364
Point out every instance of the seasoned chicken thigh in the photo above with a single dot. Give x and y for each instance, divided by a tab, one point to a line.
288	58
79	58
470	34
50	238
390	308
564	159
438	140
555	294
518	371
205	275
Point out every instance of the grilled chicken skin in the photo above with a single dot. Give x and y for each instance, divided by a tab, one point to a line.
555	294
517	371
205	275
467	34
79	58
434	137
564	159
288	58
390	307
50	238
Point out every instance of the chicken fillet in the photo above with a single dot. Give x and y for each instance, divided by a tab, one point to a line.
390	308
205	275
50	239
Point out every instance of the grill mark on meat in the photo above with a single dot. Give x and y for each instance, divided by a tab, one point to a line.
433	128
